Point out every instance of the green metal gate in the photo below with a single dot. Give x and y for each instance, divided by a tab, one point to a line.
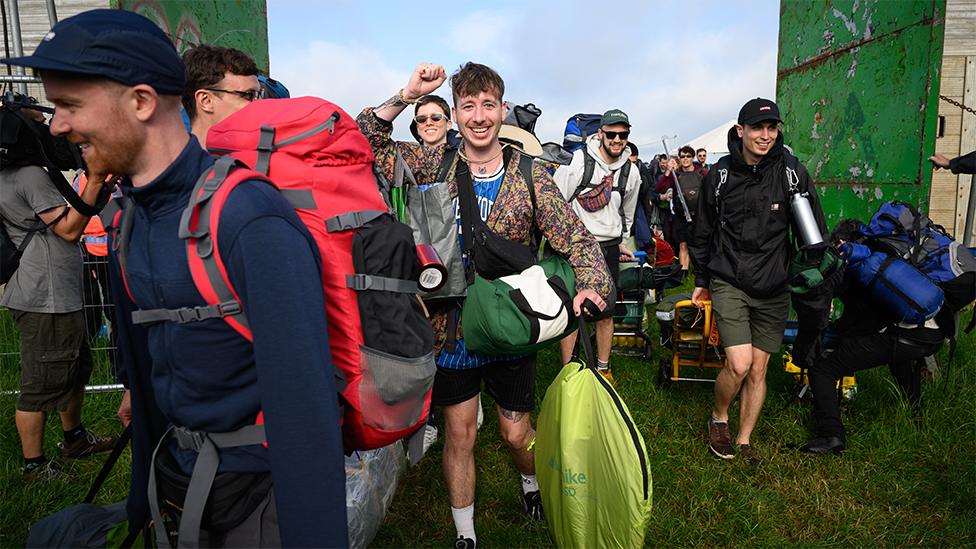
858	84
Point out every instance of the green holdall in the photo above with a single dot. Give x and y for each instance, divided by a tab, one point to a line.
591	462
521	313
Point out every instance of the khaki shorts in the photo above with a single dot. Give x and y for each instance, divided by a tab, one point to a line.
744	319
55	362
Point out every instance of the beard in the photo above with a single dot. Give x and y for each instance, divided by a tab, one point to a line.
609	153
116	155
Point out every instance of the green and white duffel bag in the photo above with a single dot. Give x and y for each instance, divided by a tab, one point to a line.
520	313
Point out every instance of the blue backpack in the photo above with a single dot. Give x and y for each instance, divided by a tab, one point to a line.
578	128
900	230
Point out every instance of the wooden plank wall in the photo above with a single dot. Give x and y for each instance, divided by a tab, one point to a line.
950	193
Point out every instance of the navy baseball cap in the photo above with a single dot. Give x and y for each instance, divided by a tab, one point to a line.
759	110
115	44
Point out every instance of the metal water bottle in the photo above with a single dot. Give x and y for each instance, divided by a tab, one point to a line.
805	222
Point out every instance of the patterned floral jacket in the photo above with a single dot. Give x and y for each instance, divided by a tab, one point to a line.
512	215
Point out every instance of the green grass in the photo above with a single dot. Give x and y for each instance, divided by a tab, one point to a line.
897	484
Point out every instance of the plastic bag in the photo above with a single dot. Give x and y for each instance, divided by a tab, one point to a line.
371	480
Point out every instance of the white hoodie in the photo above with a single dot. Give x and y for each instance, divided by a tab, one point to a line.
603	224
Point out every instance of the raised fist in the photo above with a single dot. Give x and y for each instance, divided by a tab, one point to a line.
426	78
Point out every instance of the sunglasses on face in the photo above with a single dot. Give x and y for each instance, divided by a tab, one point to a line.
613	135
422	118
247	95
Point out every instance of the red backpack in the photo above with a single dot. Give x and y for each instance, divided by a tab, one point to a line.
380	338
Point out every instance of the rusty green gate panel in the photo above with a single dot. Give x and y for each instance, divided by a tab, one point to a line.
241	24
858	84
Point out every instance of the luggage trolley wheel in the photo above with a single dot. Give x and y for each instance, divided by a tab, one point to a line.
664	373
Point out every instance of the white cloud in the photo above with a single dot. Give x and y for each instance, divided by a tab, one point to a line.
670	76
350	75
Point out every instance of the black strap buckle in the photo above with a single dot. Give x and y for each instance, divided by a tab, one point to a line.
189	440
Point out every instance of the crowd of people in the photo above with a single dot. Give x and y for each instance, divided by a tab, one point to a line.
118	86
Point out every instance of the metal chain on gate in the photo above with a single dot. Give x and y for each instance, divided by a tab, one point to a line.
956	103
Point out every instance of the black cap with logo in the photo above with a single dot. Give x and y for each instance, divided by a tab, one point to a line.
758	110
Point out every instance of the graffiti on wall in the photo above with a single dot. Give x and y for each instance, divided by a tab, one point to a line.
241	24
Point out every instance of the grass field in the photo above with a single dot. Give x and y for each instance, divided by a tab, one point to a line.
897	484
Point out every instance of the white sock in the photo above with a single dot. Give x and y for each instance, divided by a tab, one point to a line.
529	484
600	365
464	522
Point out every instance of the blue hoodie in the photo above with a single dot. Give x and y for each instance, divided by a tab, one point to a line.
207	377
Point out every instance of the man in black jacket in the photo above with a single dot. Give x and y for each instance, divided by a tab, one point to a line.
742	251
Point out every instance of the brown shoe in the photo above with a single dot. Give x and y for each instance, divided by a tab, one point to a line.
86	445
607	375
746	453
719	441
49	470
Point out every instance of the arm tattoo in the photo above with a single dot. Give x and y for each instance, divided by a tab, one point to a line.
514	417
394	101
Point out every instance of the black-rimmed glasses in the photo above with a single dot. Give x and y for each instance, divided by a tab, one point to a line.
247	95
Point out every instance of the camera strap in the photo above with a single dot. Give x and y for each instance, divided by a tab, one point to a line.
59	181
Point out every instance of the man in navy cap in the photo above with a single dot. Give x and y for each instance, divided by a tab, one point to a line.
116	80
742	252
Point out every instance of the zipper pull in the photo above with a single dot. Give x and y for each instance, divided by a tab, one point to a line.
330	123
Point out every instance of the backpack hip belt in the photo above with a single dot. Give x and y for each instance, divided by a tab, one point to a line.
202	478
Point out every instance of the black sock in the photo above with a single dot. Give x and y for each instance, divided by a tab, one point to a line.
30	463
74	434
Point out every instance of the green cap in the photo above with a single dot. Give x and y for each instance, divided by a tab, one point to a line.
614	116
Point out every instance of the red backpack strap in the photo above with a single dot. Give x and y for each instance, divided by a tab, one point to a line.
123	220
198	226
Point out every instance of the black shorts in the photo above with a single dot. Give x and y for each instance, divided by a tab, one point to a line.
510	382
681	229
611	254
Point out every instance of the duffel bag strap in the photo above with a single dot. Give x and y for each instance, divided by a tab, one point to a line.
201	479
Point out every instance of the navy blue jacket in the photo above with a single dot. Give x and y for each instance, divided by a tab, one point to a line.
207	377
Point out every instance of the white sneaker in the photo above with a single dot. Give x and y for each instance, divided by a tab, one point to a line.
430	437
481	413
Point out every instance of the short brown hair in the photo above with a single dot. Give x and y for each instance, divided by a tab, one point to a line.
473	78
686	150
435	99
206	65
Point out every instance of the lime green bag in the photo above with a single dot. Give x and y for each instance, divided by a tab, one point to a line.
520	313
591	461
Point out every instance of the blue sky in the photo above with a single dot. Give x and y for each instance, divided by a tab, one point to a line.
675	67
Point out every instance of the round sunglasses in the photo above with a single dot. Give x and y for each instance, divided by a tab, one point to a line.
436	117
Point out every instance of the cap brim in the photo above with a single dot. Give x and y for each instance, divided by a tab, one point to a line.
762	118
42	63
525	141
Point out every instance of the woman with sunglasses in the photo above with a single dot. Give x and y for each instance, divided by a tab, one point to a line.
431	121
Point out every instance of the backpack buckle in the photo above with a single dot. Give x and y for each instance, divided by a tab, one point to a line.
189	440
189	314
229	308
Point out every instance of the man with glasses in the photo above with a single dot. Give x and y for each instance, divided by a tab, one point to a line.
701	161
219	82
682	211
602	188
742	252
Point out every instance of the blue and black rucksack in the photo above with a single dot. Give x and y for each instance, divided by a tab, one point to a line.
900	230
578	128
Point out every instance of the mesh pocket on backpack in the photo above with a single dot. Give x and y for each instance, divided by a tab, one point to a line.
393	389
